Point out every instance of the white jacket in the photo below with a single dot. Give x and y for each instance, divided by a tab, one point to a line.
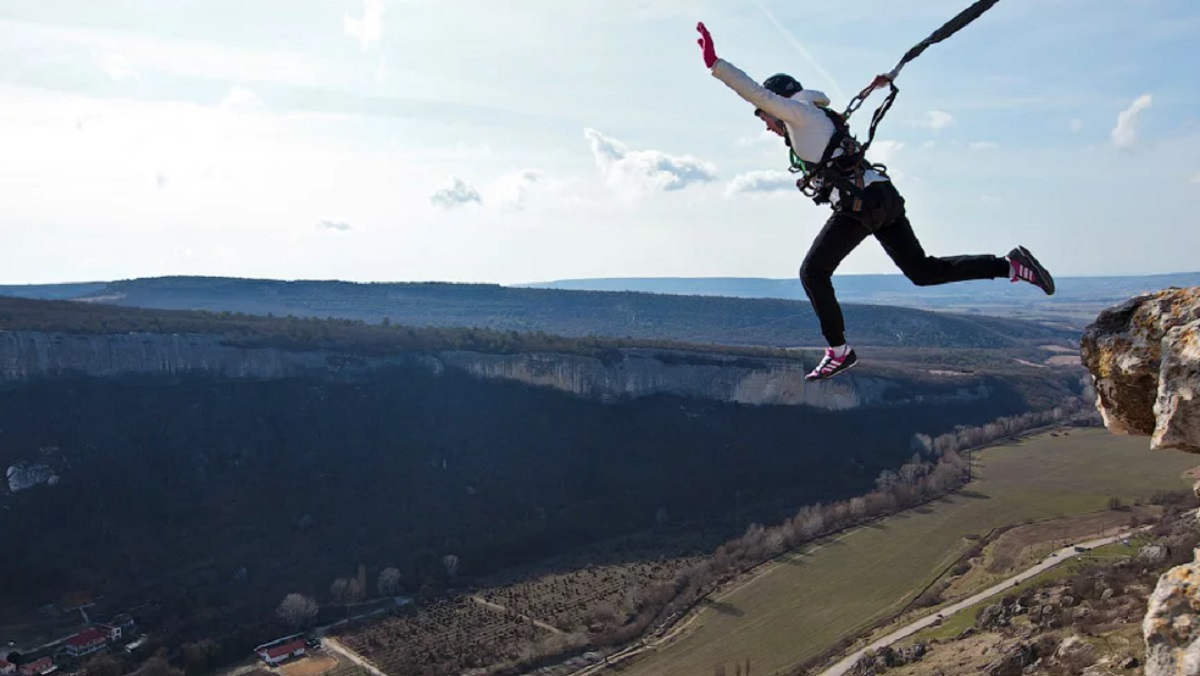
809	128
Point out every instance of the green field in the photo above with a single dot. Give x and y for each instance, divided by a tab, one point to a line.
809	600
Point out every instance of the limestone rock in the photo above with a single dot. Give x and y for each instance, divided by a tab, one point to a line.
1144	357
1075	653
1153	554
1012	662
1172	625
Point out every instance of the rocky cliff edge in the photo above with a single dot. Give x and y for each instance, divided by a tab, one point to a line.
1144	357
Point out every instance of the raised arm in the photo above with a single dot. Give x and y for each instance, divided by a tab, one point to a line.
745	86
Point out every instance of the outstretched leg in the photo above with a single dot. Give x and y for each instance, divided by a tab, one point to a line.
905	250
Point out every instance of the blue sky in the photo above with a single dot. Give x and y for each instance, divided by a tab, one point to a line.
453	140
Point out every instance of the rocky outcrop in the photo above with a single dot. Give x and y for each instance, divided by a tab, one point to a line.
624	373
1012	662
1144	357
1172	624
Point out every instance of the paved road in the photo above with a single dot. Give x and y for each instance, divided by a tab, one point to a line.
1064	554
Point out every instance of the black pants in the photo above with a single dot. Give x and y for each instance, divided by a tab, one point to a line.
882	215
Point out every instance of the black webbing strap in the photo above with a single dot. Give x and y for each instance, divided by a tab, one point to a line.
950	28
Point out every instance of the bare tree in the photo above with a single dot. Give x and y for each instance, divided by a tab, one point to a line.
297	610
389	581
450	562
354	591
340	589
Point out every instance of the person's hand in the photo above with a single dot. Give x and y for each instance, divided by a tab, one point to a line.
706	45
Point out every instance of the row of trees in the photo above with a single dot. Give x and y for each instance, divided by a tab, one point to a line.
938	466
299	611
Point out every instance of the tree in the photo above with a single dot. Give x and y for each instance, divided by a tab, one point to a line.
354	591
389	581
886	479
103	665
198	656
450	562
340	589
297	610
157	666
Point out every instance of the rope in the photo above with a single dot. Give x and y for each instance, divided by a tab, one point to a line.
949	28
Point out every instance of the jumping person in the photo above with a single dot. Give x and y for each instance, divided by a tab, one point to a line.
864	202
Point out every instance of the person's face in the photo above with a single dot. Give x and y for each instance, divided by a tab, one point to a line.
773	123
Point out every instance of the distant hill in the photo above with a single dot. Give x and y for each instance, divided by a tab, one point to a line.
1076	298
51	291
646	316
872	288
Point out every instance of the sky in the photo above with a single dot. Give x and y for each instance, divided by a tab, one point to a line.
458	140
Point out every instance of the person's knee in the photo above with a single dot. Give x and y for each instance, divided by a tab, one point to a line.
810	273
920	276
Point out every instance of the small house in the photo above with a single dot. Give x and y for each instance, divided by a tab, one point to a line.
37	667
280	652
111	632
7	667
86	642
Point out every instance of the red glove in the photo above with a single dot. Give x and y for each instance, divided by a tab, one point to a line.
706	45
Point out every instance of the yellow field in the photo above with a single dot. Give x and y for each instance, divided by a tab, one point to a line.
807	601
311	665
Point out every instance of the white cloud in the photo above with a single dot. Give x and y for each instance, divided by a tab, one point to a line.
118	66
1125	135
368	29
340	226
513	191
937	120
242	100
639	171
1076	125
455	192
1195	179
983	145
991	200
761	182
160	179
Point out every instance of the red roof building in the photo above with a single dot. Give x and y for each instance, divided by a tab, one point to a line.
7	667
277	653
42	666
86	642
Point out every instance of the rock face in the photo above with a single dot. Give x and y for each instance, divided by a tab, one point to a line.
1172	625
628	372
1144	357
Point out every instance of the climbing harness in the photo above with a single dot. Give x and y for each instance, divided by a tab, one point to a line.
846	171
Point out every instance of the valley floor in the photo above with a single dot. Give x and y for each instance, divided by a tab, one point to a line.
810	600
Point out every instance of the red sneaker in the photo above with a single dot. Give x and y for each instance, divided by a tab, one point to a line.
832	365
1026	268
